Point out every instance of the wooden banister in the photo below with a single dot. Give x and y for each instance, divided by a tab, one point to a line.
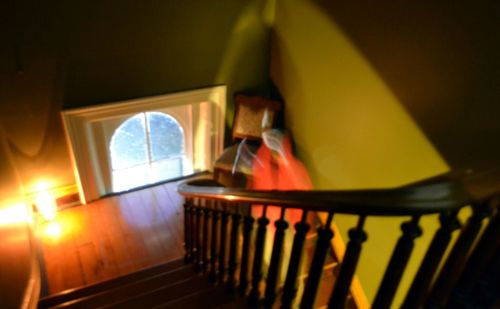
404	201
219	228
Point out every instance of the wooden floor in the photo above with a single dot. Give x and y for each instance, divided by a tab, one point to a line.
111	237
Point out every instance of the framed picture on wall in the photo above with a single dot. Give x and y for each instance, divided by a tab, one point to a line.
252	114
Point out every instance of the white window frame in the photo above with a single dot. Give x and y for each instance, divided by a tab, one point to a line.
85	137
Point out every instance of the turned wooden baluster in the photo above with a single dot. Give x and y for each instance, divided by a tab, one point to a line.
233	250
192	220
187	231
325	234
420	286
248	223
456	259
194	230
290	288
356	238
204	248
253	298
223	242
212	276
276	259
198	261
481	257
397	264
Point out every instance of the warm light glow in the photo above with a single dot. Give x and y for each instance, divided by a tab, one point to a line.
53	229
46	205
42	186
14	214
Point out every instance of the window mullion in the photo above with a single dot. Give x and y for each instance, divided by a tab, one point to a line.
148	139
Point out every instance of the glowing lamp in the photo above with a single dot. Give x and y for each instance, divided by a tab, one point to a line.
46	205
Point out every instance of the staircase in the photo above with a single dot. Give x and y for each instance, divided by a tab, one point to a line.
171	285
227	265
226	230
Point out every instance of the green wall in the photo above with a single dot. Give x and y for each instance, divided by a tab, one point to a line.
350	128
60	54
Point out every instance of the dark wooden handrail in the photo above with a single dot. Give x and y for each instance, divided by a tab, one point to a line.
446	192
421	199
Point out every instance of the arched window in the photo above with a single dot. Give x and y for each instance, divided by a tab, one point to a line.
196	117
147	148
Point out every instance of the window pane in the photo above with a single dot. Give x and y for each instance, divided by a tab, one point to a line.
128	144
167	169
129	178
166	136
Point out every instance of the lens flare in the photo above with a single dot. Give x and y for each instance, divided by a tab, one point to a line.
53	229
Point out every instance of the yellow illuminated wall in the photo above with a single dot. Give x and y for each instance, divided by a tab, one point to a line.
350	129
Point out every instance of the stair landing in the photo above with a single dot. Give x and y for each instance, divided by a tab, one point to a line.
111	237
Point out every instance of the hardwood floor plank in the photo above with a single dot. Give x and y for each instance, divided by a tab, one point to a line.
134	245
169	229
174	214
143	224
126	256
105	250
67	258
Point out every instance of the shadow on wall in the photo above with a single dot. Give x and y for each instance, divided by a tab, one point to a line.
442	63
